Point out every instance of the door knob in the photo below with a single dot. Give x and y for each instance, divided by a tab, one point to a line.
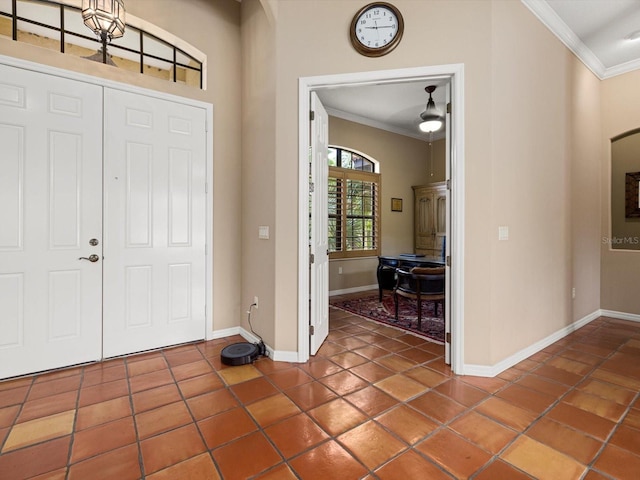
92	258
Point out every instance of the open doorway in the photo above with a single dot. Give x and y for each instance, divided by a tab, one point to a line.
450	75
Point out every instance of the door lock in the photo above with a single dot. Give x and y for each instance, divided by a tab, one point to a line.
92	258
93	242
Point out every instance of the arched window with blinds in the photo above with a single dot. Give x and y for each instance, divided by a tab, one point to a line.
354	207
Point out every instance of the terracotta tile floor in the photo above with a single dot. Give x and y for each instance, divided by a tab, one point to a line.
375	403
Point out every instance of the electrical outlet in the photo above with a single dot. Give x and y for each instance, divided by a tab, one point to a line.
573	293
255	301
339	270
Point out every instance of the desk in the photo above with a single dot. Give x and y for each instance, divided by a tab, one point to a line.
387	268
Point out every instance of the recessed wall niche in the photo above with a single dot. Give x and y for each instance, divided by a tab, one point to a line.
625	196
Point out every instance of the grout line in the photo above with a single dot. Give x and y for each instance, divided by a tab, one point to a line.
125	362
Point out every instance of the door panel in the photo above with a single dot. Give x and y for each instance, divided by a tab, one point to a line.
448	241
155	221
319	247
51	192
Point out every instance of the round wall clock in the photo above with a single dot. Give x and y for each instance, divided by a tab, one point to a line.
376	29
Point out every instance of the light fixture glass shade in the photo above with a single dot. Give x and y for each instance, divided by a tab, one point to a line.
106	18
429	126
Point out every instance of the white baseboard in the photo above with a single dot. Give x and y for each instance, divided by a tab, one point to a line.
344	291
227	332
493	370
275	355
633	317
467	369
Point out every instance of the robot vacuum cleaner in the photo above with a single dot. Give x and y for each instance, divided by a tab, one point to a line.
243	353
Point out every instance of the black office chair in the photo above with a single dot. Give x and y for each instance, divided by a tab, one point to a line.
422	284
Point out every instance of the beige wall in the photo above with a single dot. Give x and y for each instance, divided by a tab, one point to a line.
532	183
620	99
521	136
404	161
625	158
258	174
586	151
213	28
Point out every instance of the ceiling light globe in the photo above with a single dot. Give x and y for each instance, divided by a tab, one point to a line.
430	126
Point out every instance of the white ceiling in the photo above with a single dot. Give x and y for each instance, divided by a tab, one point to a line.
595	30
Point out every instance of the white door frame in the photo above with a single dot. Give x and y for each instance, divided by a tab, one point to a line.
37	67
455	72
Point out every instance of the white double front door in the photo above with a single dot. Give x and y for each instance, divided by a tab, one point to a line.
102	222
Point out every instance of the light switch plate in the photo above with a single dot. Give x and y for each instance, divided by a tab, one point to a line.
263	232
503	233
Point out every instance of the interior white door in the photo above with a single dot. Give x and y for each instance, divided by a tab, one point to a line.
51	198
319	238
155	204
447	238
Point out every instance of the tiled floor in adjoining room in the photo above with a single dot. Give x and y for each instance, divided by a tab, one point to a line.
374	403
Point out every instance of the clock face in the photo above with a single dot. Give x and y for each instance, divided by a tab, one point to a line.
376	29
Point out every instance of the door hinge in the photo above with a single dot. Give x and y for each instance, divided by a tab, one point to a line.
206	188
449	107
312	258
312	330
312	187
448	260
448	337
312	115
448	184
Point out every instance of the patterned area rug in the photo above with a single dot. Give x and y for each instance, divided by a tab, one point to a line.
384	312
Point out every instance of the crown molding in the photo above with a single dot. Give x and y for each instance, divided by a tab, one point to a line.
550	19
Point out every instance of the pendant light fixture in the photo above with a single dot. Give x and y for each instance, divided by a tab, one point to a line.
105	18
431	117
